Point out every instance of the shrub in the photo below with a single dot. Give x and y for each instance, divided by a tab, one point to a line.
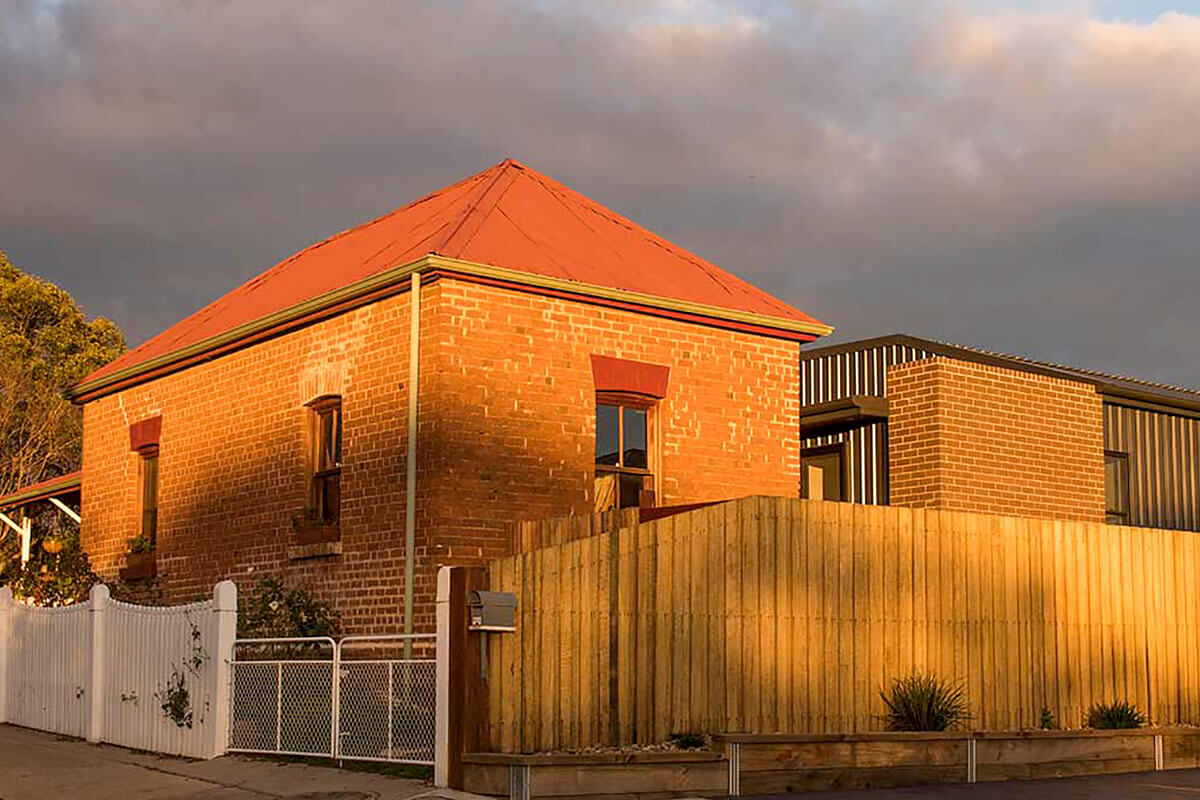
689	741
55	576
1049	723
921	702
141	544
1111	716
274	610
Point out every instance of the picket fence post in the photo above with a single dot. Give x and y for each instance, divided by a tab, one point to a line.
225	632
98	599
6	601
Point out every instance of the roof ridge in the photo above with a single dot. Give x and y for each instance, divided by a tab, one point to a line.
501	169
506	168
657	240
545	229
211	307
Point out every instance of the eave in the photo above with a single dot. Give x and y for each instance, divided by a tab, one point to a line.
54	487
839	416
396	281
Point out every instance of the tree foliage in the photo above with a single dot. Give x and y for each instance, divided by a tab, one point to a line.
47	344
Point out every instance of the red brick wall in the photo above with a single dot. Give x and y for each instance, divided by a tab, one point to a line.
506	432
971	437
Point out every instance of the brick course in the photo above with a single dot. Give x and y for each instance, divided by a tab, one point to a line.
971	437
506	432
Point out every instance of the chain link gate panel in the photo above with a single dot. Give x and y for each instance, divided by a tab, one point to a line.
363	698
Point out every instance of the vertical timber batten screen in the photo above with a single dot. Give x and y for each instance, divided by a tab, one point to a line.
781	615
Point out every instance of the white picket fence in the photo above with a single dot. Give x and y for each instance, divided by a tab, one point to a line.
103	670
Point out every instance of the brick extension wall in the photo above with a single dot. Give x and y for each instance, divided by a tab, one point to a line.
506	432
971	437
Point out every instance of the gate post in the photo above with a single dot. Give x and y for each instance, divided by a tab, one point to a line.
98	597
224	613
461	700
6	602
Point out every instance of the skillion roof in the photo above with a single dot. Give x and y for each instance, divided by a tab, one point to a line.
1117	386
508	224
53	487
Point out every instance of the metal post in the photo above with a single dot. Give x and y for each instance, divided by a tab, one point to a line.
1158	751
278	706
972	762
391	702
518	782
335	702
735	769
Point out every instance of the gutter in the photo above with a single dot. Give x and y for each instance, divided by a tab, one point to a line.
393	281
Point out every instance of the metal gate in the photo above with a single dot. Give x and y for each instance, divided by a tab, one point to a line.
370	698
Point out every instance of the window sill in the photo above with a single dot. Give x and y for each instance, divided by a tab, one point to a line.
301	552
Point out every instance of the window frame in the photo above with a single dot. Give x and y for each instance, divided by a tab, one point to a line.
148	500
1122	517
622	401
835	448
321	475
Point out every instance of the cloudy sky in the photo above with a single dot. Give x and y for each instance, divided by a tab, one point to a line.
1023	176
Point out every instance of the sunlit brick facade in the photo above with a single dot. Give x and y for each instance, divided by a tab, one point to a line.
506	432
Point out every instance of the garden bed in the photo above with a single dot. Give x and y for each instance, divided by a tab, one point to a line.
778	763
645	775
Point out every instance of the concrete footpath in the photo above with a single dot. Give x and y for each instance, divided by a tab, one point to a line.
42	766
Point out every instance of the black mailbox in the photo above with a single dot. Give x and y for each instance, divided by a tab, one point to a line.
492	611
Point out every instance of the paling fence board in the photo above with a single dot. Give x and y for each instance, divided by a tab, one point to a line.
782	615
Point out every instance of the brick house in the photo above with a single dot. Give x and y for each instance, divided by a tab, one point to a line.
561	359
907	421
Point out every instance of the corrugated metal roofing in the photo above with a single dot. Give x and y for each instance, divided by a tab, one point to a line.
507	216
44	490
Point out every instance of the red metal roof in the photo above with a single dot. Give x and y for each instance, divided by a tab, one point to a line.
43	490
507	216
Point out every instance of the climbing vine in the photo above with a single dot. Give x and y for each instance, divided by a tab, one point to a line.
175	698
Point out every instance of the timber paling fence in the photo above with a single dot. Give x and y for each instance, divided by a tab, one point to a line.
773	614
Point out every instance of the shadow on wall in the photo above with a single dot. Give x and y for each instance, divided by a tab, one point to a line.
780	615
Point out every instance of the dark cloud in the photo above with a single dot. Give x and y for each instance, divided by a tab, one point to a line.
1024	180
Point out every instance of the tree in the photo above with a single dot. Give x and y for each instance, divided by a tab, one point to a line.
47	344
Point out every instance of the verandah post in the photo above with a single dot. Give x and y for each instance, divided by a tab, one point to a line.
97	612
224	633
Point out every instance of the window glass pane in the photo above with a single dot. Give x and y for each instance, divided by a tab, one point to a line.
337	436
150	498
630	490
608	435
635	438
329	444
331	498
1116	486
